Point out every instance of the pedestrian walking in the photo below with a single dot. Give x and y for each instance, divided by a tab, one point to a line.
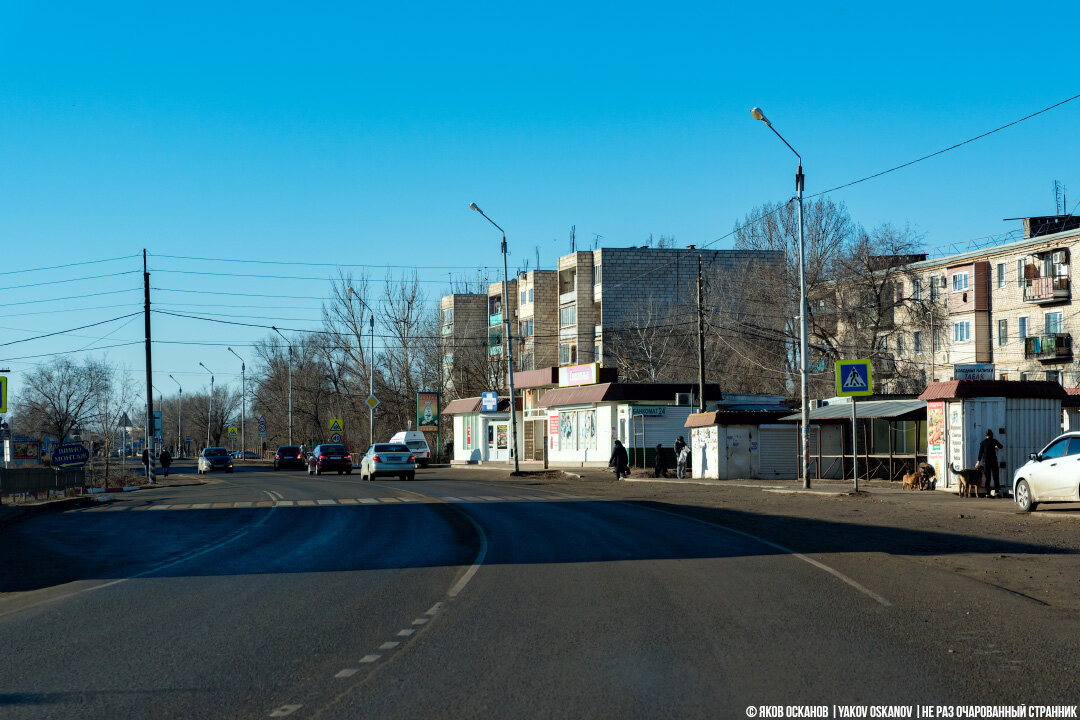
146	461
679	445
620	461
680	459
989	463
165	458
660	464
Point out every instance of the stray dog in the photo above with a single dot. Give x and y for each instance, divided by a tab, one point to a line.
928	473
969	481
913	481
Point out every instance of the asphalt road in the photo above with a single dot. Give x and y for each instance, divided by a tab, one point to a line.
282	595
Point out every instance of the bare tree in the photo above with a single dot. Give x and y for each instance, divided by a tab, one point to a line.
59	396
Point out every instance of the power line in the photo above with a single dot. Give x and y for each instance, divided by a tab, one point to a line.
330	265
59	267
61	332
70	297
69	280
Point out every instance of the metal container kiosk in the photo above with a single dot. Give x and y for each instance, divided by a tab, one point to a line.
1024	414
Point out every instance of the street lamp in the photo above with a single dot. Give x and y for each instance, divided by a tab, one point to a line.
371	368
179	412
509	344
210	407
799	181
290	379
243	403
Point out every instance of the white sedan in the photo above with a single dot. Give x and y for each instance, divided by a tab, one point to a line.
1052	475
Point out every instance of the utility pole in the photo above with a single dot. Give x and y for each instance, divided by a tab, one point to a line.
700	337
149	372
287	342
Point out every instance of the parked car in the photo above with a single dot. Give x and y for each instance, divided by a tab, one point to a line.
388	459
417	443
247	455
289	456
327	458
214	458
1052	475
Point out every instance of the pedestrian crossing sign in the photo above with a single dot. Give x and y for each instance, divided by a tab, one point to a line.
853	378
337	425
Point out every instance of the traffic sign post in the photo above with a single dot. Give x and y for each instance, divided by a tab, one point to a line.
854	378
335	437
489	401
337	425
3	393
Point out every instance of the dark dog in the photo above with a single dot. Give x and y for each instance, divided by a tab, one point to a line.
969	481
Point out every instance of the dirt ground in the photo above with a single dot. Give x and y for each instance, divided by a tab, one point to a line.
1035	554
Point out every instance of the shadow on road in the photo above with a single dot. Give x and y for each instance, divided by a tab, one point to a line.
64	547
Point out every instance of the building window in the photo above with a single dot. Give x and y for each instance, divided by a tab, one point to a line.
1053	322
961	331
530	295
883	343
526	328
568	352
1003	330
447	320
568	316
916	341
900	344
1001	275
1003	376
596	274
959	281
1020	272
933	290
916	289
526	361
523	296
937	341
1025	376
1054	375
899	291
1021	328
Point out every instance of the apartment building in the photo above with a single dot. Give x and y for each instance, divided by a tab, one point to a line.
463	322
1009	306
537	325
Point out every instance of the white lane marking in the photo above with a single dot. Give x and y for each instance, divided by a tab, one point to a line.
370	658
819	565
434	609
450	499
242	504
161	507
470	499
285	710
367	501
389	645
327	502
389	500
277	495
228	539
347	672
536	497
200	506
408	499
283	503
489	497
405	633
419	621
477	562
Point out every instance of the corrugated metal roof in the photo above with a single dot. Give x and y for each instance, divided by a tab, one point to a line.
953	389
865	409
755	416
623	392
472	405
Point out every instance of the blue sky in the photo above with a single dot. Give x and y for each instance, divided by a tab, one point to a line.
359	133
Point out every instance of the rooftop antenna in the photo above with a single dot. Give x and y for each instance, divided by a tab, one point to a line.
537	257
597	237
572	229
1060	205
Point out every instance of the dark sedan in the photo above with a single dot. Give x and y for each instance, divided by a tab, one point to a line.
289	456
328	458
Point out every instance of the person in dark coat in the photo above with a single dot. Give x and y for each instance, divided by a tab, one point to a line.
165	458
988	461
660	468
146	461
620	461
679	445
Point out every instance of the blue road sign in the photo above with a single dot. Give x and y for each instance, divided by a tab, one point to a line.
853	377
489	401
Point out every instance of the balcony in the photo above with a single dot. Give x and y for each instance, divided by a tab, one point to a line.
1048	348
495	319
1045	290
568	296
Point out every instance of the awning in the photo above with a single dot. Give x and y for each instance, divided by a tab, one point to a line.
959	389
734	417
887	409
623	392
472	405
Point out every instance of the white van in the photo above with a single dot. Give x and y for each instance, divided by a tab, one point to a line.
415	441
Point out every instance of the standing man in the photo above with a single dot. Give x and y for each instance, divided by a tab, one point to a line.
620	461
146	461
989	463
660	466
165	458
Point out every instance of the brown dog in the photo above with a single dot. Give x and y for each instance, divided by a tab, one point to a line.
928	472
969	481
913	481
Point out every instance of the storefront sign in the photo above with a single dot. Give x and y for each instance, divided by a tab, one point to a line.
588	374
973	371
654	411
70	455
23	450
553	431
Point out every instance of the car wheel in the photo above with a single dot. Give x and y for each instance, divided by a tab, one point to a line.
1023	497
412	476
349	471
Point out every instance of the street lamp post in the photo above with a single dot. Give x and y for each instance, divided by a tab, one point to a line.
179	414
243	404
509	344
371	368
290	379
799	181
210	407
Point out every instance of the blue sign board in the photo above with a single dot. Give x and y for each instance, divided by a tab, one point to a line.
489	401
70	455
853	377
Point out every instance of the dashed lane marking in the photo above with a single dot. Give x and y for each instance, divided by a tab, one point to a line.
370	658
200	506
434	609
405	633
388	500
160	507
389	645
326	502
285	710
306	503
367	501
347	672
420	621
471	499
450	499
285	503
348	501
221	505
242	504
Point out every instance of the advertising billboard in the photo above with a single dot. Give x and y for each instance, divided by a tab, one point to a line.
427	411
